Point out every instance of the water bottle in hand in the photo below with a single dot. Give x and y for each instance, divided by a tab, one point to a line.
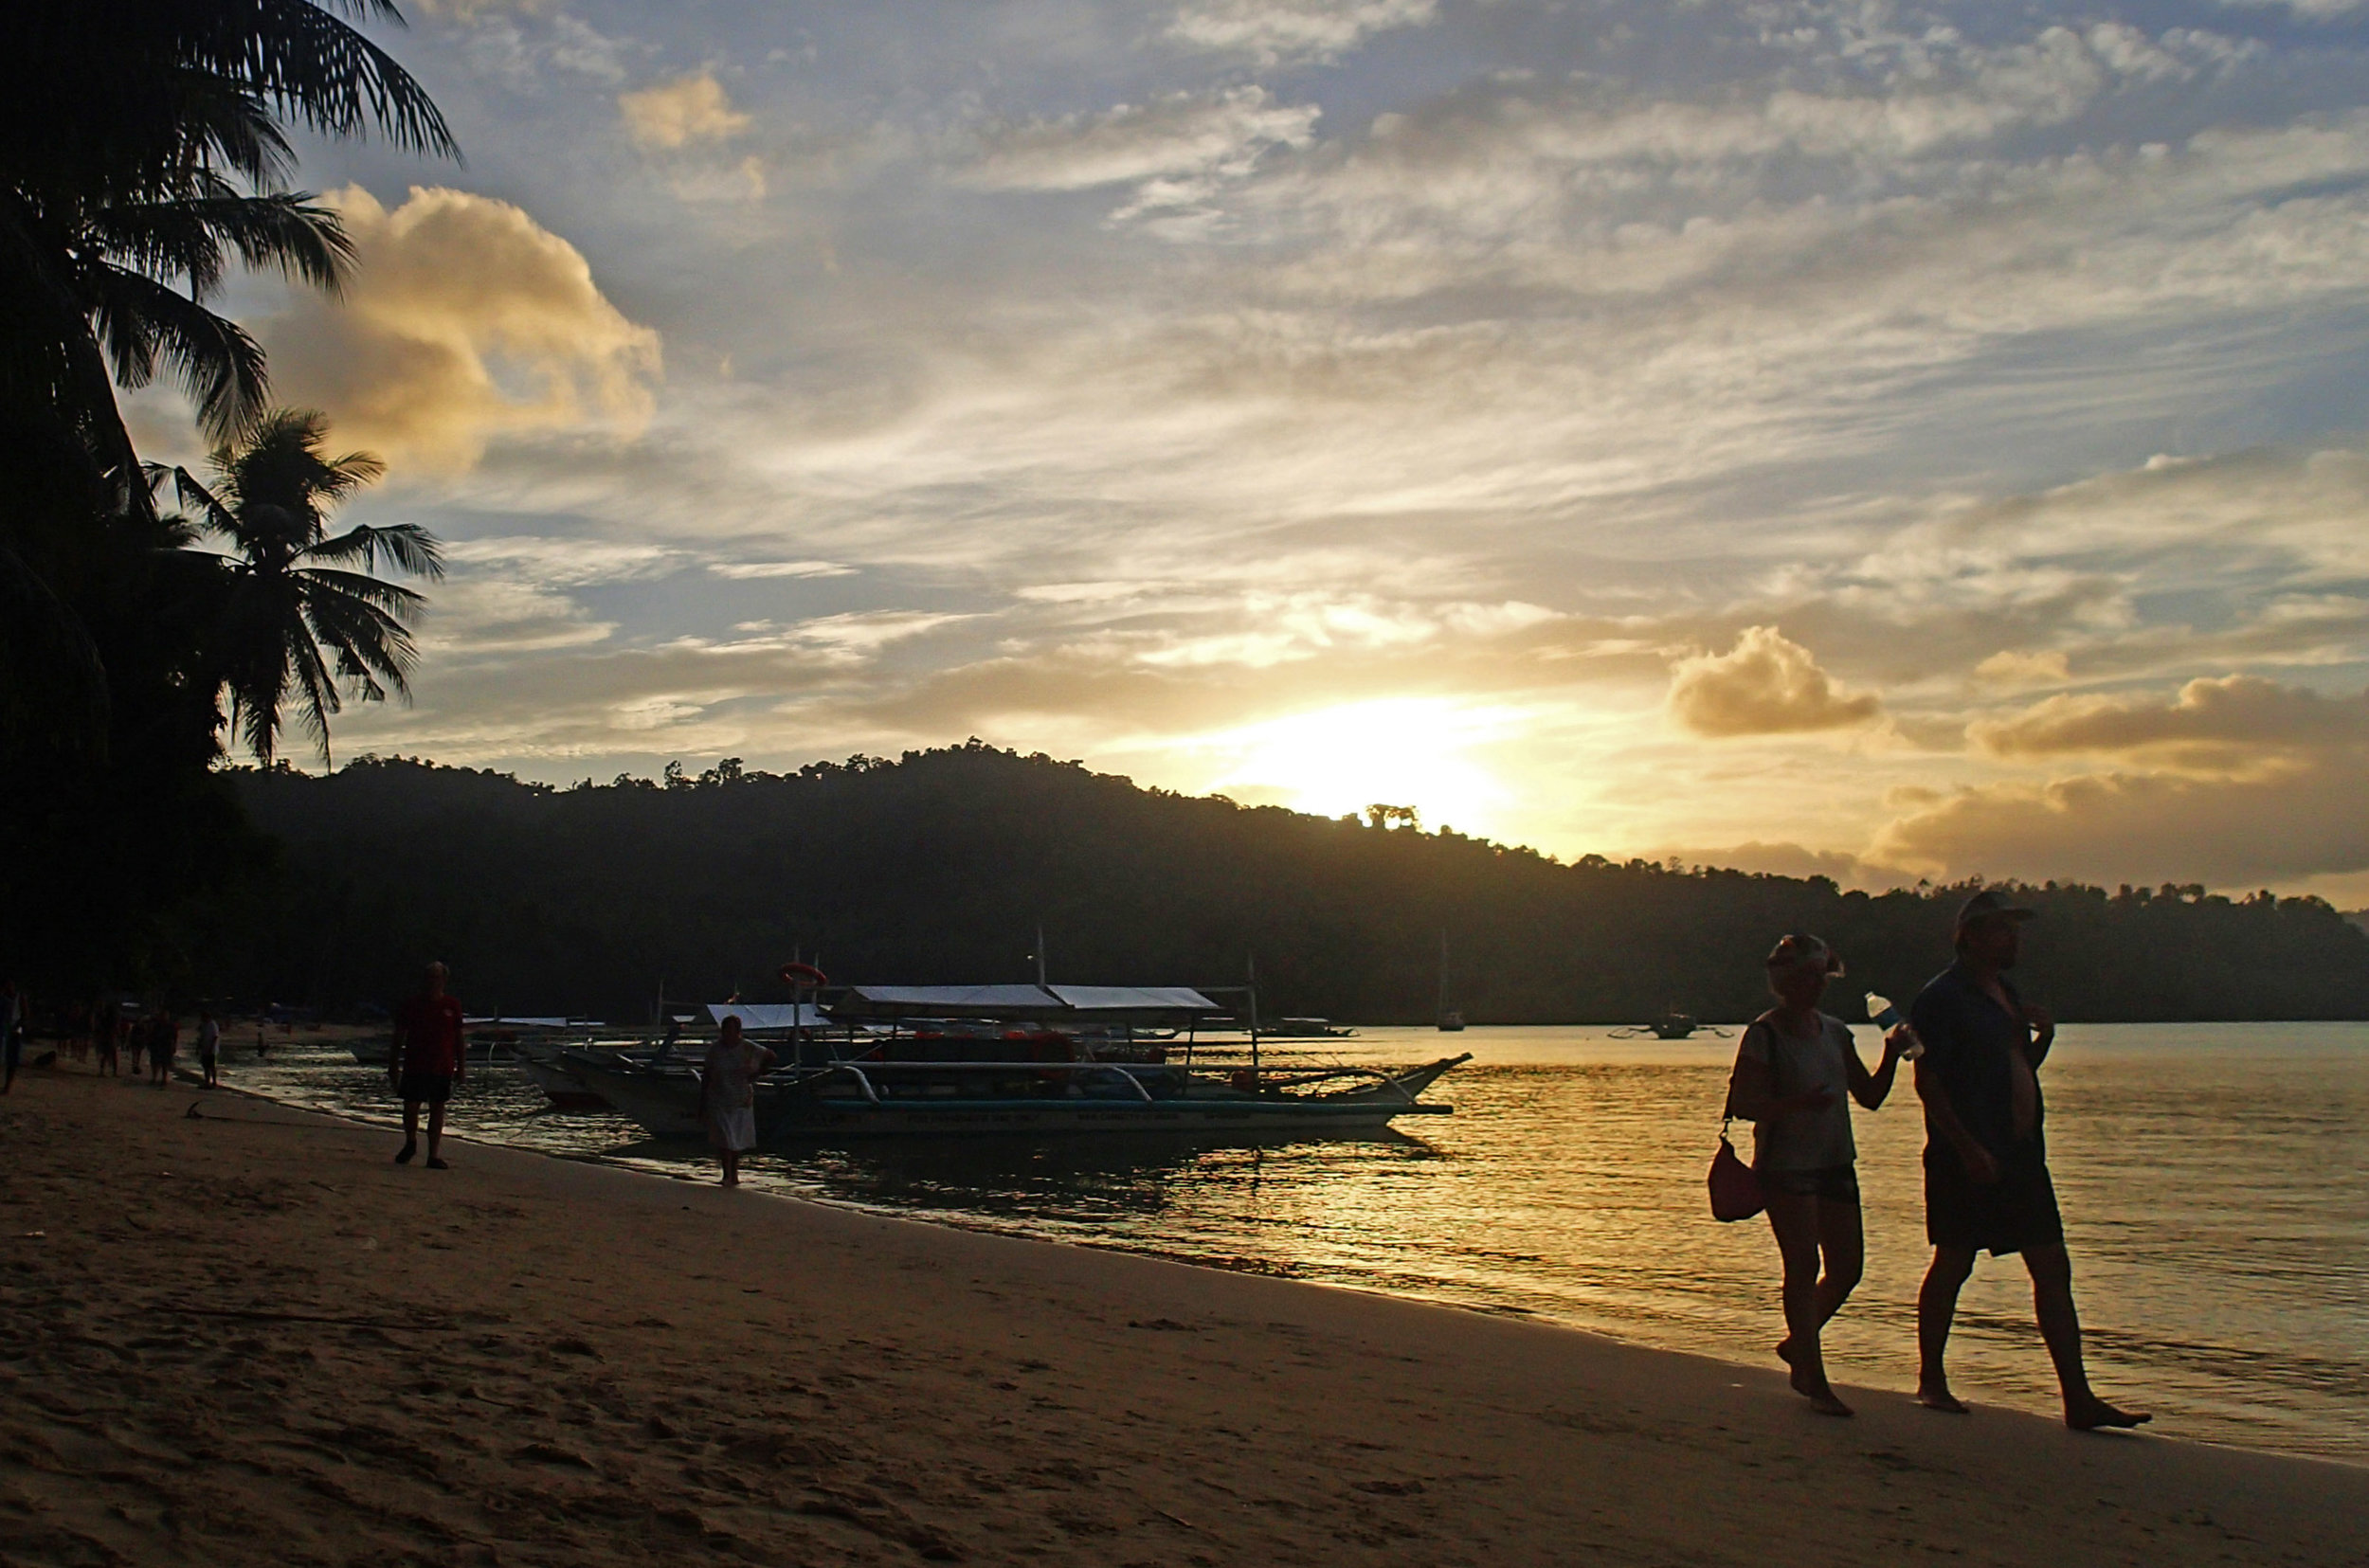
1887	1018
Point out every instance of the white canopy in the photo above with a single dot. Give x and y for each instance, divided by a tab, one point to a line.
768	1016
1070	1005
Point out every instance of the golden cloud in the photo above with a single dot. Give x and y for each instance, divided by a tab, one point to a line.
465	319
2232	781
676	114
1766	685
2233	725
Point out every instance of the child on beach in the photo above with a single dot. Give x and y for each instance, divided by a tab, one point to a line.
209	1048
727	1095
1796	1074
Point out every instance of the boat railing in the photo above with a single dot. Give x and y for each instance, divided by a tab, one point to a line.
1131	1072
802	1076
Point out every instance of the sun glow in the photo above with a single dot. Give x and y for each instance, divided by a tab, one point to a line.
1405	752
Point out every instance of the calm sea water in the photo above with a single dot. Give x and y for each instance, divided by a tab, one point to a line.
2215	1195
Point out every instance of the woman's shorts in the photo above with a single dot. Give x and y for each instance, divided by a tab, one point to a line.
1834	1184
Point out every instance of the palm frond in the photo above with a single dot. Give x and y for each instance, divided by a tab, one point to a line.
142	322
188	237
406	547
327	76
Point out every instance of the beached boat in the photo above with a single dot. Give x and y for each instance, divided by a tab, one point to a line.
963	1061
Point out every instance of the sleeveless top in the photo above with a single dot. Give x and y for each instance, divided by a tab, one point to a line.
1803	1140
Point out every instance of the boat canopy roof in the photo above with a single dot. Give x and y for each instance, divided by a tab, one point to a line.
504	1020
756	1017
1075	1005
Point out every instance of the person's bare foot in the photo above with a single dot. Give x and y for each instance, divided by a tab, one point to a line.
2091	1413
1821	1397
1942	1401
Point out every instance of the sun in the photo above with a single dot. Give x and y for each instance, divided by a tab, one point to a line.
1408	752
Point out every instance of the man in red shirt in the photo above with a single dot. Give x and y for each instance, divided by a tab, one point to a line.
428	1058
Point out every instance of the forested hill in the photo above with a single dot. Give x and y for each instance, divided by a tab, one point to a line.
941	866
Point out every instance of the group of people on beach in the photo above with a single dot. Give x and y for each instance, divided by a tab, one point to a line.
1978	1048
106	1032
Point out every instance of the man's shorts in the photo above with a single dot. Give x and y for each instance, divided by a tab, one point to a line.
1833	1183
434	1088
2017	1211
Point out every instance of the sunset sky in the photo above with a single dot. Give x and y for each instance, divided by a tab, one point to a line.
1891	440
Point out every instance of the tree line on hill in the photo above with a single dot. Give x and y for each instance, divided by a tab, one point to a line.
941	868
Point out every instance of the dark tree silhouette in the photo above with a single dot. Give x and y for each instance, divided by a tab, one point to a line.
296	621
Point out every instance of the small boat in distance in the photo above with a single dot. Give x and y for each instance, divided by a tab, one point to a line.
1451	1022
1675	1023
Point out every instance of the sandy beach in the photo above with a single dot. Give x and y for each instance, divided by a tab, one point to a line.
250	1337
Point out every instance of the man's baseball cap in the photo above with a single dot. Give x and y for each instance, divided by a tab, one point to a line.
1992	904
1799	951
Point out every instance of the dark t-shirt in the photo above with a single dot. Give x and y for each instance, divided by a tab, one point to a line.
431	1034
1968	1038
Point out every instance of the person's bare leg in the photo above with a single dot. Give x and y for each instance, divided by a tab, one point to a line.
1795	1223
436	1135
410	1132
1937	1305
1844	1250
731	1167
2051	1269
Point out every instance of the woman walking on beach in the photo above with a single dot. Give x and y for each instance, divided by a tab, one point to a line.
1796	1072
727	1095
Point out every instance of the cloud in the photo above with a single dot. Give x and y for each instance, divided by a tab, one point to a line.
2296	823
1176	149
465	319
2013	668
741	570
2233	782
2233	725
672	115
1273	30
563	563
1766	685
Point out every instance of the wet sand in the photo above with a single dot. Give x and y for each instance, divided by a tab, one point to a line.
250	1338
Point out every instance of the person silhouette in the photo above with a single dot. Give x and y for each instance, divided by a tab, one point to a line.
1986	1181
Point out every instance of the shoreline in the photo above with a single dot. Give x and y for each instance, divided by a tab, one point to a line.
1869	1365
555	1360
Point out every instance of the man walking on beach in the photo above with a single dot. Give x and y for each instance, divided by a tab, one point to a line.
1986	1182
427	1061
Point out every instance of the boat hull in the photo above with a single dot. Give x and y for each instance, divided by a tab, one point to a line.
560	1085
668	1107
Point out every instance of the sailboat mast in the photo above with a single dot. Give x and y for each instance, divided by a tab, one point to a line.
1439	1010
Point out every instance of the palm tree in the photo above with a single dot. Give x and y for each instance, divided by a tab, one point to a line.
143	151
296	620
142	144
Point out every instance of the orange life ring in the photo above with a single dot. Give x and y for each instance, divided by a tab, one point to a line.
803	974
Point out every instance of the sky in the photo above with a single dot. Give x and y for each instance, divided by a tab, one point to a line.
1883	441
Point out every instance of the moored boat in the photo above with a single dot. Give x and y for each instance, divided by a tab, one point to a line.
961	1061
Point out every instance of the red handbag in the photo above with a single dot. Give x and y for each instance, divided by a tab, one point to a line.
1735	1187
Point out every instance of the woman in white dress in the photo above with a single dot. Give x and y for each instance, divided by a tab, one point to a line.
727	1095
1797	1072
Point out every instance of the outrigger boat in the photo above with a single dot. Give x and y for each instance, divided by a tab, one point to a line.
1027	1059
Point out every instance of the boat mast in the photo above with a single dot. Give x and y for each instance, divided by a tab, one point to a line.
1440	1012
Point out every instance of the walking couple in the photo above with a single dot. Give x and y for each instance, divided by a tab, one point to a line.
1986	1182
